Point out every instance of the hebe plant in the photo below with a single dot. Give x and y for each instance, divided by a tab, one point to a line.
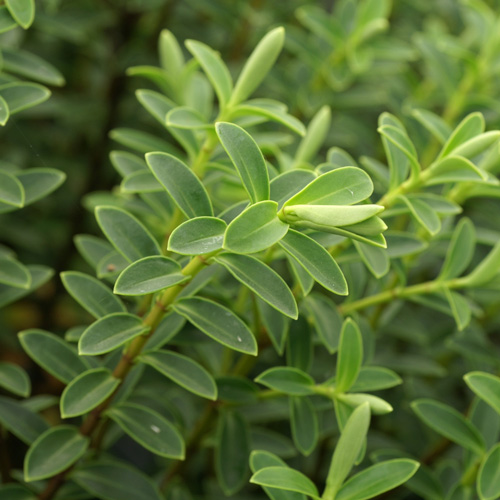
250	298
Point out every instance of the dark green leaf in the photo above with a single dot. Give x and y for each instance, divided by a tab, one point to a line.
486	386
275	323
14	274
350	356
488	478
38	274
15	492
375	378
14	379
304	423
460	308
11	190
21	95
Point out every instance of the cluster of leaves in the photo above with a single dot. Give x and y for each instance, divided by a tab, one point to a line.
242	288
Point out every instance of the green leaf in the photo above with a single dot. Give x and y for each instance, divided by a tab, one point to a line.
54	451
7	23
53	354
303	279
111	265
24	423
349	446
183	371
247	158
39	182
23	11
217	322
169	327
140	182
15	492
433	123
377	479
149	429
424	214
214	68
236	389
289	183
22	95
460	251
87	391
258	65
476	145
342	186
471	126
460	308
30	66
287	380
375	378
453	169
316	133
304	424
375	258
149	275
485	386
197	236
110	332
350	356
13	273
449	423
11	190
114	481
38	274
187	118
4	107
126	233
255	229
91	294
378	406
171	57
231	452
275	323
485	270
142	142
315	260
400	244
285	478
181	183
488	477
14	379
262	280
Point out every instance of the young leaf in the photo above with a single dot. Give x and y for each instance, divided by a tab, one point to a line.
126	233
449	423
255	229
87	391
13	273
183	371
375	378
181	183
460	251
315	260
91	294
53	354
287	380
376	259
217	322
377	479
54	451
110	332
304	423
11	190
149	429
486	386
350	356
488	477
23	11
378	406
262	280
14	379
149	275
453	169
315	136
231	453
247	158
186	118
197	236
258	65
471	126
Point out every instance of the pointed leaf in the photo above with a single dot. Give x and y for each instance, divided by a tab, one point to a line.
468	128
485	270
423	213
287	380
23	11
460	251
187	118
197	236
488	478
350	356
453	169
316	133
11	190
486	386
14	379
375	378
304	424
23	95
13	273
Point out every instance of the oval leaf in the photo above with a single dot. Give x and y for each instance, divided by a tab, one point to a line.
350	356
14	379
287	380
488	478
197	236
23	11
486	386
304	424
11	190
460	250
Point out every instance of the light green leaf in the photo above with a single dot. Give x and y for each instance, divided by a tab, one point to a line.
378	406
198	236
7	22
285	478
23	11
23	95
87	391
304	424
181	183
247	158
424	214
399	138
315	260
287	380
375	378
11	190
231	452
262	280
53	354
214	68
316	133
141	182
258	65
149	429
453	168
14	379
183	371
375	258
255	229
4	107
433	123
449	423
171	57
110	332
471	126
476	145
460	308
54	451
148	275
488	477
91	294
217	322
350	356
377	479
187	118
485	270
486	386
15	274
400	244
289	183
126	233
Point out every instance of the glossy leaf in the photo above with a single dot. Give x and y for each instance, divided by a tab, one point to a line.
486	386
304	423
488	477
54	451
23	11
255	229
126	233
11	190
53	354
14	379
183	371
91	294
247	158
197	236
149	275
350	356
13	273
287	380
449	423
149	429
262	280
87	391
315	260
460	251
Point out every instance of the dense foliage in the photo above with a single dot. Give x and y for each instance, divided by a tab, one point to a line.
284	283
